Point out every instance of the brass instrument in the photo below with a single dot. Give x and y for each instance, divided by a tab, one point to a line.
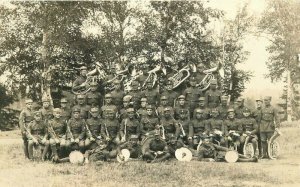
163	132
182	130
273	146
205	83
70	132
107	134
123	139
152	76
180	76
88	130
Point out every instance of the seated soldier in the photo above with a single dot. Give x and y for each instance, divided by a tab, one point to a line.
149	123
213	95
94	98
142	112
169	124
182	105
156	150
163	105
37	135
198	127
57	132
201	105
108	105
249	128
232	130
223	108
129	126
173	145
76	128
216	128
93	129
211	152
127	103
132	145
184	123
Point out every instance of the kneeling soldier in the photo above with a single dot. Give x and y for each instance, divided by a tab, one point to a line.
93	129
37	135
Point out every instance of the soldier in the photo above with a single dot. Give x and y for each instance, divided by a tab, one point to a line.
201	105
142	112
93	129
181	106
132	145
37	135
257	114
249	128
117	94
163	105
169	124
151	94
213	95
269	121
108	105
57	128
79	83
65	110
239	108
76	128
94	98
149	123
127	103
26	116
156	150
136	95
192	94
184	124
129	126
223	108
216	128
232	130
198	127
172	145
142	78
47	110
81	104
171	95
200	74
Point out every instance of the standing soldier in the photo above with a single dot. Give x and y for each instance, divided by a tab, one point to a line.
94	98
47	110
192	94
79	83
57	128
108	105
93	129
198	127
149	123
26	116
200	74
269	122
136	95
171	95
169	125
213	95
142	112
142	78
129	125
216	128
184	125
182	105
163	105
117	94
239	108
126	104
151	94
257	114
202	106
65	110
223	108
81	104
76	128
37	135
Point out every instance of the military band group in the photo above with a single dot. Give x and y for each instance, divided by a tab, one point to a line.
151	124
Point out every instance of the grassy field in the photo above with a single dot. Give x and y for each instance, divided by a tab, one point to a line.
285	171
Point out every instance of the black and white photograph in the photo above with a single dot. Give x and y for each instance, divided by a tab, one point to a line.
150	93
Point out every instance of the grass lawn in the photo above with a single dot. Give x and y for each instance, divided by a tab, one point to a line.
285	171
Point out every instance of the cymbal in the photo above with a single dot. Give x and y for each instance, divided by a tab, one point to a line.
126	155
183	154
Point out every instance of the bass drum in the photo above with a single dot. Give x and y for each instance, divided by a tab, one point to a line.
248	149
273	149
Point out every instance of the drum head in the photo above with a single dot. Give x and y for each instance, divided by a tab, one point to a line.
231	156
126	155
183	154
76	157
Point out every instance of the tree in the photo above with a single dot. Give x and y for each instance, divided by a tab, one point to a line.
7	116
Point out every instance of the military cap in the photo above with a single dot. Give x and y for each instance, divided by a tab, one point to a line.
156	134
214	110
108	96
201	99
108	109
143	99
127	98
213	81
193	79
117	81
163	97
167	109
94	109
240	99
246	110
198	110
76	109
80	96
56	110
37	112
45	99
181	97
83	68
129	110
149	107
133	136
63	100
94	84
205	136
259	99
224	97
172	136
28	101
182	111
267	98
230	110
134	83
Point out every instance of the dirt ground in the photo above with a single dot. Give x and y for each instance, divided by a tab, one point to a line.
285	171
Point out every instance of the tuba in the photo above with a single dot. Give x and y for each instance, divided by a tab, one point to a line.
273	146
180	76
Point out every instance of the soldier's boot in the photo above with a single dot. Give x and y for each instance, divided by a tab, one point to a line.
254	159
30	150
264	146
148	157
163	158
25	148
45	151
55	157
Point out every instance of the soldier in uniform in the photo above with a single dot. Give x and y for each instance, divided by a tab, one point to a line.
198	127
81	104
127	103
200	74
169	124
184	124
57	128
151	94
26	116
149	123
249	128
142	78
156	150
132	145
79	83
172	145
163	105
216	128
239	108
170	94
117	94
223	108
65	110
182	105
269	121
129	125
192	94
142	111
108	105
94	98
76	128
93	129
37	135
136	95
257	114
213	95
232	130
47	110
202	106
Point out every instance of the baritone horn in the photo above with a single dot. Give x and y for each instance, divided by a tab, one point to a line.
180	76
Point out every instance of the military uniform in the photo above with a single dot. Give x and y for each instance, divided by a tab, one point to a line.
172	146
117	95
239	109
170	94
149	123
233	124
184	124
169	124
108	105
163	105
213	96
192	94
197	128
151	95
133	147
217	128
129	126
180	107
65	110
94	98
93	132
156	149
110	129
205	110
76	129
78	83
223	108
136	95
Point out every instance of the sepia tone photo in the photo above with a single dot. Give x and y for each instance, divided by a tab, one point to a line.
150	93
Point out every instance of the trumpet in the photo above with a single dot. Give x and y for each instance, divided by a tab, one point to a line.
182	130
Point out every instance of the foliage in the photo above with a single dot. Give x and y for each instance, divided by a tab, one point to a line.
7	116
